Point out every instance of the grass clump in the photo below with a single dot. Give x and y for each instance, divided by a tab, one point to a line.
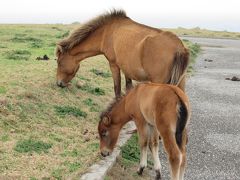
95	91
22	39
3	90
101	73
93	106
18	55
131	151
69	110
31	145
74	166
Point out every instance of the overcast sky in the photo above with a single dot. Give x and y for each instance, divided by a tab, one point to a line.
210	14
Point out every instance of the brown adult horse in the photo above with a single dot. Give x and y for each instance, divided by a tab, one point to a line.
142	53
157	109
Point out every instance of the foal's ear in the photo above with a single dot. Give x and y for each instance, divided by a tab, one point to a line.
106	120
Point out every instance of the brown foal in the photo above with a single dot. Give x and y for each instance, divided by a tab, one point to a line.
141	52
158	110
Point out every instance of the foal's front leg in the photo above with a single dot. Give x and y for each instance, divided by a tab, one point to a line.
143	142
154	148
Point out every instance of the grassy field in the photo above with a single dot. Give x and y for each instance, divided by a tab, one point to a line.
197	32
47	132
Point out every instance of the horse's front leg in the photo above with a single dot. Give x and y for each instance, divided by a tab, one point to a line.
116	79
128	83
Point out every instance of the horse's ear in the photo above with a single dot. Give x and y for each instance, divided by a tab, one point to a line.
106	120
59	50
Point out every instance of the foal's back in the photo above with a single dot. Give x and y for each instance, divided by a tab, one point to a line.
151	100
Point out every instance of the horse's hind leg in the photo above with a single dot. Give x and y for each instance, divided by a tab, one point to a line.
174	153
154	147
128	83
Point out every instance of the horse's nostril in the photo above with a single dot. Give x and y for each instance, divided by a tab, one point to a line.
104	155
60	84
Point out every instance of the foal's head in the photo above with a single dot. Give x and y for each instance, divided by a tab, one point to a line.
67	67
108	133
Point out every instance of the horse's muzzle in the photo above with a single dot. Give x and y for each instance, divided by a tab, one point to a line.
61	84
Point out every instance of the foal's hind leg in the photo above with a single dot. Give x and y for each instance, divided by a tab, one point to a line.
183	150
174	153
154	147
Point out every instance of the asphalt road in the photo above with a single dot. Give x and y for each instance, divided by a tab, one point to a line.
214	130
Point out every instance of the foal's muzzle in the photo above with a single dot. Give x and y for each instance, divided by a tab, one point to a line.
105	153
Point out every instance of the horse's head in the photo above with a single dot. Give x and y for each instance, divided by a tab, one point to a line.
67	67
108	133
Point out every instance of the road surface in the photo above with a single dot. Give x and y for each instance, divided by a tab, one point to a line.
214	130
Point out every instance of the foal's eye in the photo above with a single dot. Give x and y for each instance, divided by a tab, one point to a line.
104	133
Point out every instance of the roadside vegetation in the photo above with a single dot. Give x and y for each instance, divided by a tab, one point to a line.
47	132
198	32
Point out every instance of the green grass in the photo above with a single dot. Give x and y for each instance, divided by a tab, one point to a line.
194	50
68	110
3	90
93	90
31	145
131	151
101	73
18	54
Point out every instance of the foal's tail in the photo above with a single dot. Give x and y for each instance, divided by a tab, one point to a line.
180	63
183	116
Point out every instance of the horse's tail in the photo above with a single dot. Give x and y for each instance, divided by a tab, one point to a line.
180	63
183	116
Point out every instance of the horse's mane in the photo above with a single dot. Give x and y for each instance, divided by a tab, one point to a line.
78	35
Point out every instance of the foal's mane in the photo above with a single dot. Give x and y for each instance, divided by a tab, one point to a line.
114	102
78	35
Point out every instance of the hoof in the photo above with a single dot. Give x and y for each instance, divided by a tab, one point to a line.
140	170
158	175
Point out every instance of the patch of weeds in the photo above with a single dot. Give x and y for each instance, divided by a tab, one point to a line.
69	110
63	35
93	106
57	173
131	151
18	54
33	178
5	138
55	137
74	166
93	147
95	91
101	73
194	50
57	28
36	45
185	40
73	153
1	46
31	145
3	90
25	39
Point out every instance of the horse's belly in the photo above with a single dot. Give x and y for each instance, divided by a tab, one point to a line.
137	74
